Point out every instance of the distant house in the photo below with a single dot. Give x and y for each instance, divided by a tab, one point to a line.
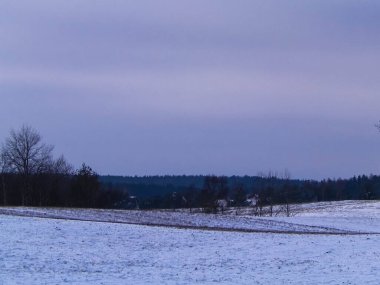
131	203
252	200
221	204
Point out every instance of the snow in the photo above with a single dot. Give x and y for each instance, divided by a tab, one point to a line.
58	251
349	208
363	216
307	221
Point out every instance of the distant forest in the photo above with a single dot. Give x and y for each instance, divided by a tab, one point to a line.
84	188
190	191
30	176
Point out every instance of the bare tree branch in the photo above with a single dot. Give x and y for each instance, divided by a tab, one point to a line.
24	152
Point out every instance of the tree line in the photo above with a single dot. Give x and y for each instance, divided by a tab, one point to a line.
31	176
267	191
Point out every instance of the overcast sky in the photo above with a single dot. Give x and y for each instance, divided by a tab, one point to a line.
196	87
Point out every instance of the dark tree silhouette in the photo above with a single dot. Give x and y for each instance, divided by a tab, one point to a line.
24	153
85	187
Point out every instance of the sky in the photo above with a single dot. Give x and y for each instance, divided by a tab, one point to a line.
196	87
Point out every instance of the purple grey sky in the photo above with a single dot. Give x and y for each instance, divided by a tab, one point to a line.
197	87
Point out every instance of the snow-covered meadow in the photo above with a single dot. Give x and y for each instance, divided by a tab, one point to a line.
56	251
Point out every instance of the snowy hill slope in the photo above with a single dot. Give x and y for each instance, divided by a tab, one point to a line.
344	217
53	251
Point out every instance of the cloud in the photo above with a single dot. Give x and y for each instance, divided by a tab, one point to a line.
160	70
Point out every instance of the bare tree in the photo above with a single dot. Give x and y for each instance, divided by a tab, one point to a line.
287	194
24	153
268	196
215	188
3	171
62	167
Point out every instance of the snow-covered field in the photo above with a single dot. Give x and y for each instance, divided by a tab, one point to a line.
344	217
361	216
55	251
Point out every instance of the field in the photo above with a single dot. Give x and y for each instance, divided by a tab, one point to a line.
325	243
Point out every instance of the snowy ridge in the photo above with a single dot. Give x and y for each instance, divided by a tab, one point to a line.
311	220
38	251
